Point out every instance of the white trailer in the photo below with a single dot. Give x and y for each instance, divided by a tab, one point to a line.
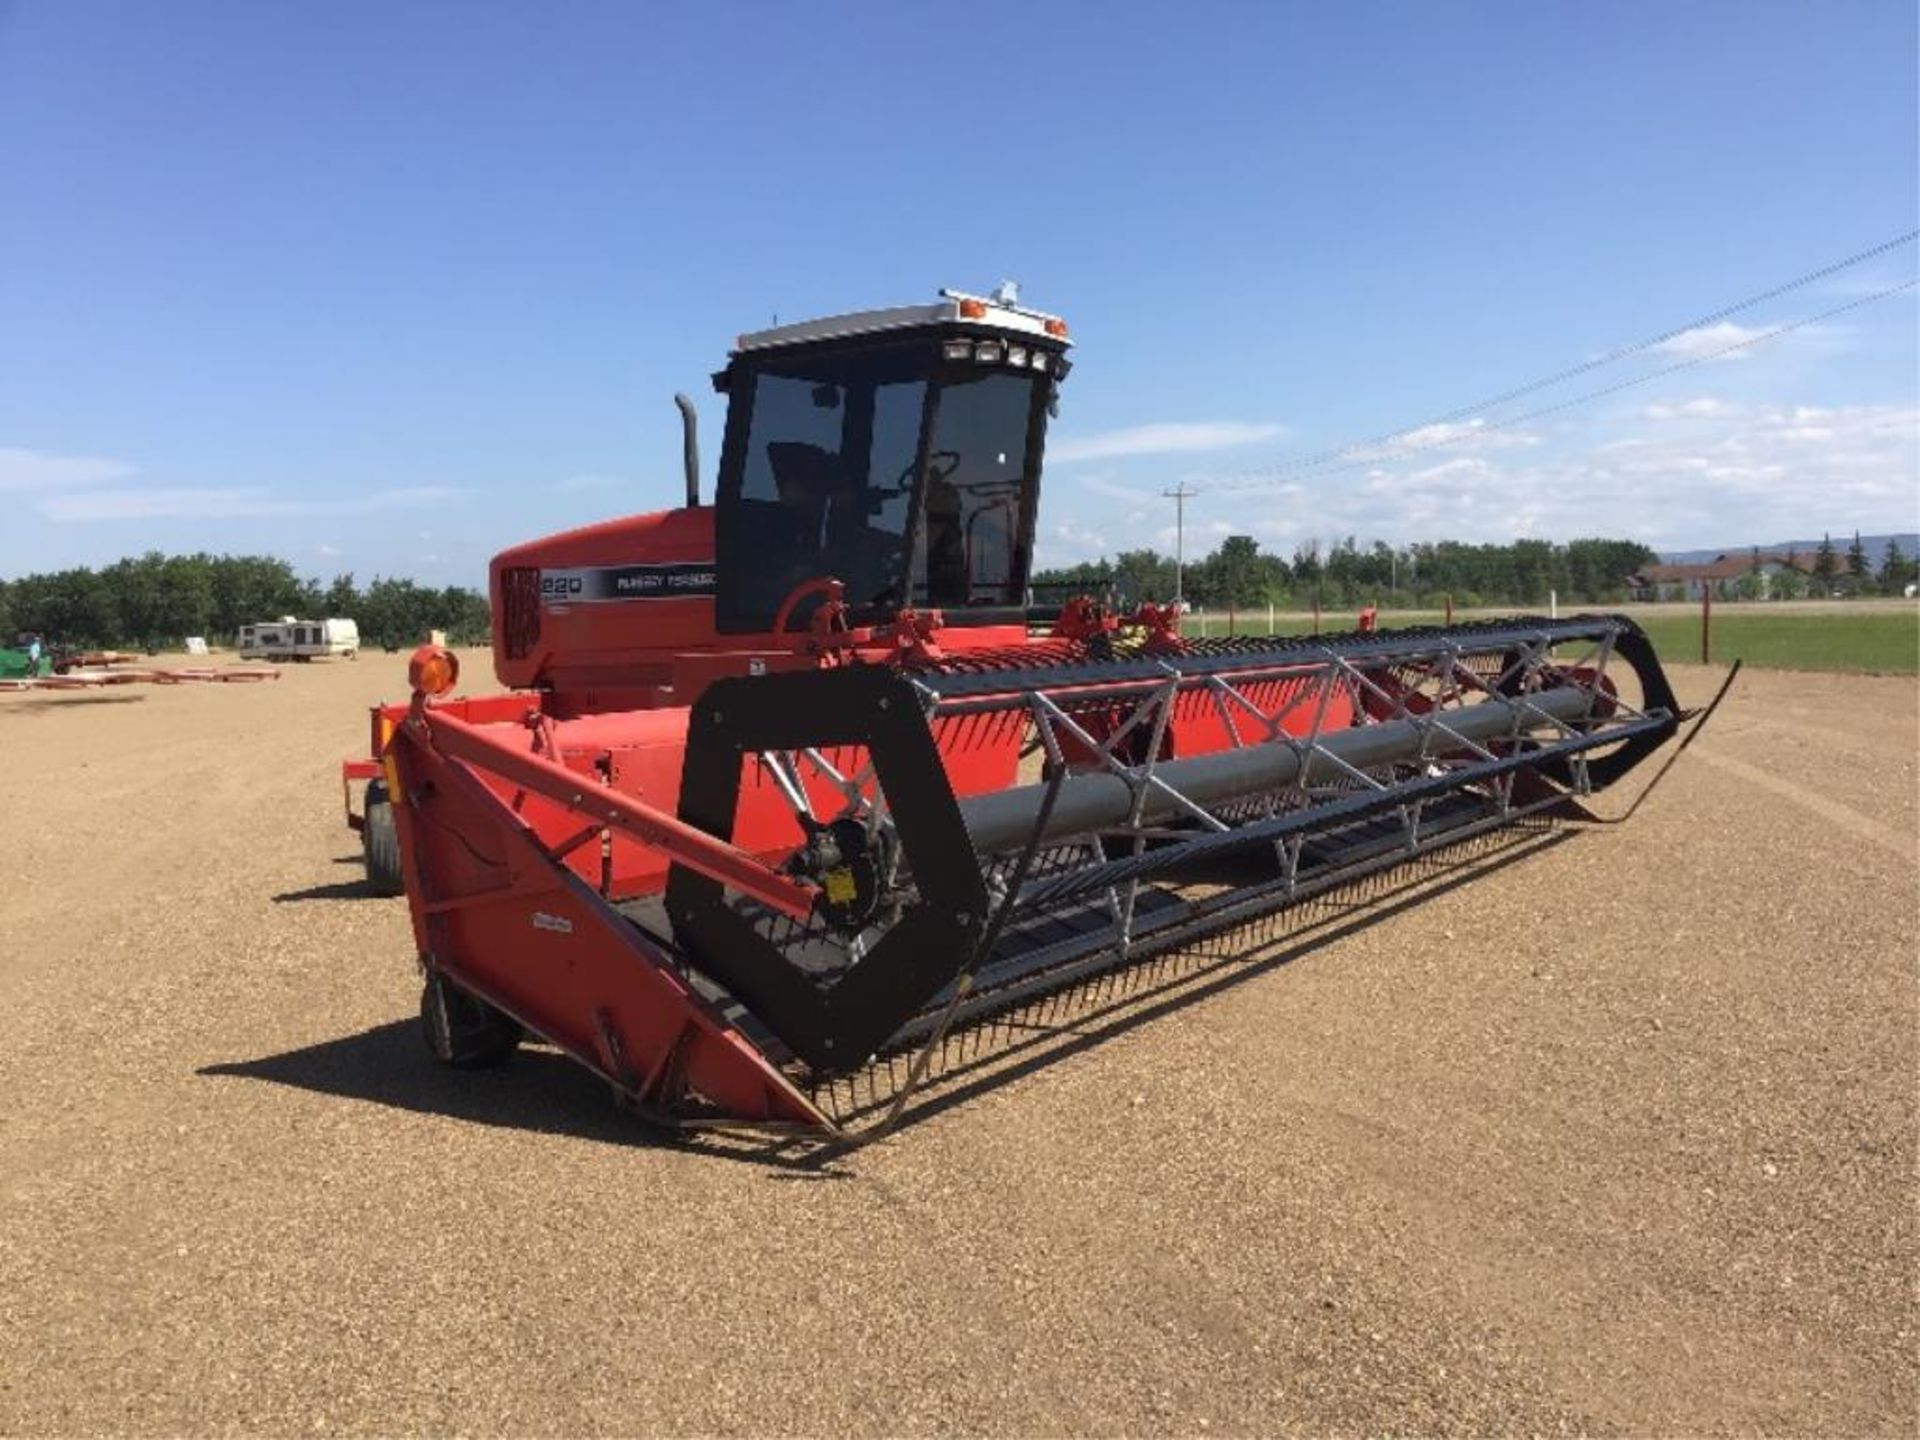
291	639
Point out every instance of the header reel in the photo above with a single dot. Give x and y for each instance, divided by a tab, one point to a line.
1130	838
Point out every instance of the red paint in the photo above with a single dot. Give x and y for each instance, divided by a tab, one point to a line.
533	941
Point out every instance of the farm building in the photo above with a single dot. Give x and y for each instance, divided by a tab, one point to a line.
1724	573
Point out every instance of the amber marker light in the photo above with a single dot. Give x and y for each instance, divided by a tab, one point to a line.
433	670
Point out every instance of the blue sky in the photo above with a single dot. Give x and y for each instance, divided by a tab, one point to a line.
384	287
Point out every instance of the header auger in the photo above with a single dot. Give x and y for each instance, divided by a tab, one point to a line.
802	803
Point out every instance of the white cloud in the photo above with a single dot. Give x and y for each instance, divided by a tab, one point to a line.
229	503
1171	437
82	488
1202	535
1729	475
1446	472
1700	407
326	550
1474	434
1064	543
1708	340
1738	477
31	470
1105	486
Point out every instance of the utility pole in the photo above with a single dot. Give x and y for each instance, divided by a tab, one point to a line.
1180	494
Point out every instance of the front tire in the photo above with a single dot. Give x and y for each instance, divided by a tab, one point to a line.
463	1032
380	843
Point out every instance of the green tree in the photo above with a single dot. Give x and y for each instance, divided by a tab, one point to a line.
1056	586
1791	582
154	600
1143	575
1825	566
70	607
1896	571
186	597
1857	568
467	617
1235	574
1307	569
250	588
342	601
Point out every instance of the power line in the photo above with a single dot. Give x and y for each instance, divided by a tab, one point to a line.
1254	481
1320	459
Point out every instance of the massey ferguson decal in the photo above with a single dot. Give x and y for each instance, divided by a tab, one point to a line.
586	584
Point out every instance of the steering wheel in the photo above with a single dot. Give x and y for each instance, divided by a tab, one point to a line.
941	464
904	484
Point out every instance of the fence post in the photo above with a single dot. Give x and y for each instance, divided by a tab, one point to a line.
1316	610
1449	609
1706	622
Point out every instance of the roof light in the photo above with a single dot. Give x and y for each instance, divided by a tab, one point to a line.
1017	356
971	309
1057	328
1038	360
958	350
988	352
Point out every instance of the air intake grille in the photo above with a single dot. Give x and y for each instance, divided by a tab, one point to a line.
520	610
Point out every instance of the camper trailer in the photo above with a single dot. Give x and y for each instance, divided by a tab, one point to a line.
291	639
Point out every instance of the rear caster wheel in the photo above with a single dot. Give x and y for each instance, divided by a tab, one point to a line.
380	843
463	1032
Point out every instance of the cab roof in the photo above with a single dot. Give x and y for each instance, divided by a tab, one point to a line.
952	308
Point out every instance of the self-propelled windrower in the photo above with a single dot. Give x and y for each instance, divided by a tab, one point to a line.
798	801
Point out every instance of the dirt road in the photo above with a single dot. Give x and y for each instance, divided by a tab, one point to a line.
1621	1139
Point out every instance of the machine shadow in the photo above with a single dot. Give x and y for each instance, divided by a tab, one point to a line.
66	701
545	1092
1203	984
332	890
540	1090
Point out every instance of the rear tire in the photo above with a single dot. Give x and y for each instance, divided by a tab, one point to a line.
380	843
461	1031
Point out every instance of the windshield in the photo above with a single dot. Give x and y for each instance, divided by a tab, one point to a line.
824	478
967	551
826	482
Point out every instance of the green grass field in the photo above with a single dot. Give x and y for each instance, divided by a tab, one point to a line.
1883	640
1870	642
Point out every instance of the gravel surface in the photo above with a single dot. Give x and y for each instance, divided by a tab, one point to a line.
1618	1139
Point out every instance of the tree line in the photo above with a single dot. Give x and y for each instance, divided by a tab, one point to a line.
155	601
1240	575
1829	571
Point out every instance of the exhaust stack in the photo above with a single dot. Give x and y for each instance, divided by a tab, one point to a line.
690	447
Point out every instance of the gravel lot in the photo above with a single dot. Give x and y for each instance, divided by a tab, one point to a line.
1619	1139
